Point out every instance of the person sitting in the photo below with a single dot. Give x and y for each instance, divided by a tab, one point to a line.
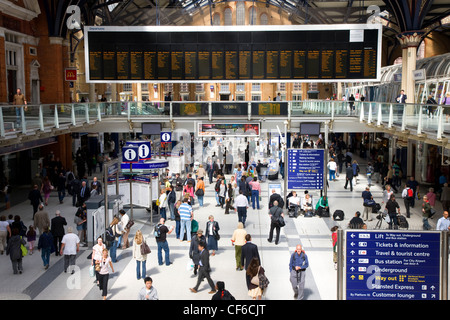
307	205
356	222
322	206
294	202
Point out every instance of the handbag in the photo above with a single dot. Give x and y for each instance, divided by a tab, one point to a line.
199	193
24	250
129	224
145	249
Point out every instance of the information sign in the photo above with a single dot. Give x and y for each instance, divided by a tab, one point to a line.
130	154
392	265
305	169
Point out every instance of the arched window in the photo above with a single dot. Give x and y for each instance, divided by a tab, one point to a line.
264	19
216	19
228	16
240	13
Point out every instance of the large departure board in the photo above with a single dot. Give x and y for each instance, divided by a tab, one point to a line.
319	53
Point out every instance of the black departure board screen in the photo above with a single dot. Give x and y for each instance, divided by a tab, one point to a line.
232	54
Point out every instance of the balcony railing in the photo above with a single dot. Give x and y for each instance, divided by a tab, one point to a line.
45	117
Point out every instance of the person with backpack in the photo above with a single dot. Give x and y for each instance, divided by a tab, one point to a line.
221	293
408	196
161	231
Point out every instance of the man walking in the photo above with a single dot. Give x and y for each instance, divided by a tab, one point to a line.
35	198
204	269
241	204
70	245
57	229
297	267
41	220
275	213
349	176
186	216
161	241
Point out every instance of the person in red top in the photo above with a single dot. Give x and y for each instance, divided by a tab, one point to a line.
256	191
334	238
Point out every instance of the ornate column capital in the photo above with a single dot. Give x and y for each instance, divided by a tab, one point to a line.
410	38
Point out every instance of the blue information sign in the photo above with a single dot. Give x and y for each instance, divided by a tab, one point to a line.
144	149
166	136
305	168
392	265
130	154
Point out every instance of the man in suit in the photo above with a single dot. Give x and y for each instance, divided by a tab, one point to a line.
349	176
275	197
84	193
35	198
204	269
402	97
98	184
249	251
57	229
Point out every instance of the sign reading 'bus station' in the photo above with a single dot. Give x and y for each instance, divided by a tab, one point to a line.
392	265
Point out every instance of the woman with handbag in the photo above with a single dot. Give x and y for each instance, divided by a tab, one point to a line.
212	234
97	252
254	272
200	191
140	251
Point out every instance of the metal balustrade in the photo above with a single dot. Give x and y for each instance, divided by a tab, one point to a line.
415	117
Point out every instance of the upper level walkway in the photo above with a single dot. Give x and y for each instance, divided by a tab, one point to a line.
419	121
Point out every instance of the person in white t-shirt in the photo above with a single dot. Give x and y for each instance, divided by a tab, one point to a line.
332	169
294	202
70	245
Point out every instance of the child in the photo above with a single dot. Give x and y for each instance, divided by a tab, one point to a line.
31	238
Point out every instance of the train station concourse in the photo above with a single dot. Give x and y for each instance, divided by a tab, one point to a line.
192	150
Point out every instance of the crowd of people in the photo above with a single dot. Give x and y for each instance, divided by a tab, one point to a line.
236	192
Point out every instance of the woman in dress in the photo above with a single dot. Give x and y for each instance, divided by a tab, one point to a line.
212	234
105	264
141	259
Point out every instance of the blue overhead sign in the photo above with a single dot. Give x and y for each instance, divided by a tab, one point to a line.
305	169
392	265
166	136
130	154
146	165
144	149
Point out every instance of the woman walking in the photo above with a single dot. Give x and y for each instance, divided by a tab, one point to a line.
200	191
238	240
253	271
141	259
97	252
14	250
105	264
46	189
212	234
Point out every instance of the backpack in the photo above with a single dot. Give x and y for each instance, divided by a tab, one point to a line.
410	193
156	231
338	215
109	234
